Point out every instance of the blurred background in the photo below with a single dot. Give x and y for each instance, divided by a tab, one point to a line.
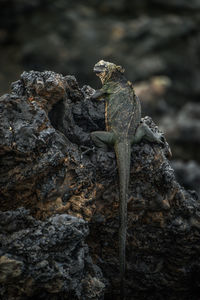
156	41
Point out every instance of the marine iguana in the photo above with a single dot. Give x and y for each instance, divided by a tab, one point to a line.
124	127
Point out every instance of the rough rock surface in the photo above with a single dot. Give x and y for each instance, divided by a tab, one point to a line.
43	259
50	166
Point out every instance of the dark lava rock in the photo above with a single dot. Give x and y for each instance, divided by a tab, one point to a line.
43	259
50	166
30	148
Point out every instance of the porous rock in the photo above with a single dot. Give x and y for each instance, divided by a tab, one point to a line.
44	259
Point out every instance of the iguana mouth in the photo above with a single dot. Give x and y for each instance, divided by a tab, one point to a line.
99	69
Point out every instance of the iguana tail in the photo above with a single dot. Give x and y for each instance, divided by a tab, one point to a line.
123	155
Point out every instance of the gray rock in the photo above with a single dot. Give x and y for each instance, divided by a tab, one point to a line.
46	260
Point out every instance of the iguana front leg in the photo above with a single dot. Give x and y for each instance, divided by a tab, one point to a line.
98	94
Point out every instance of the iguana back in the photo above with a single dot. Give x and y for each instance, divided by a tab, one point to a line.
122	111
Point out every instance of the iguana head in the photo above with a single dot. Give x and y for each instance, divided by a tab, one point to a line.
104	70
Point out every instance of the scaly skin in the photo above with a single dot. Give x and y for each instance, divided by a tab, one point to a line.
124	127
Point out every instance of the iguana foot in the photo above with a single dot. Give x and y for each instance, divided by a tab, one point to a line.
159	138
86	149
144	132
